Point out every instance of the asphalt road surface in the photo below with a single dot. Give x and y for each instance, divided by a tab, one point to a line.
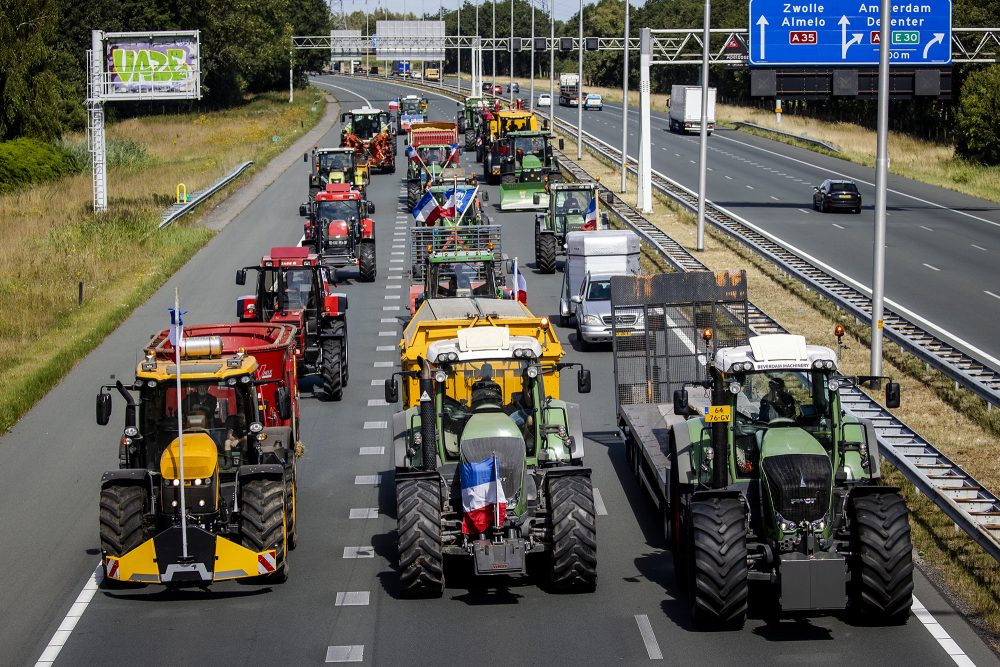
340	602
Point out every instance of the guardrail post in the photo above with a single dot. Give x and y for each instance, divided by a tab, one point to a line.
644	200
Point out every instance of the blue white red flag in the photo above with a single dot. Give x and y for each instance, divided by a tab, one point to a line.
426	210
455	155
412	154
590	223
483	499
520	291
459	201
176	325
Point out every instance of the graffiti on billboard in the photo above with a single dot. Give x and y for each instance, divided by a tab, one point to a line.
151	66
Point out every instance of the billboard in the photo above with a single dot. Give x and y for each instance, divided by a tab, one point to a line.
151	65
409	40
346	44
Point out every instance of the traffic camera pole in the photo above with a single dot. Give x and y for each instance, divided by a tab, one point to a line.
881	179
703	148
579	92
625	102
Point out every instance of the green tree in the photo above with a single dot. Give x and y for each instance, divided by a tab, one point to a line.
978	134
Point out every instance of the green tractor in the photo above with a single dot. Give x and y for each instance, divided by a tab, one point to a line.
571	207
432	164
470	119
457	262
761	475
488	459
526	166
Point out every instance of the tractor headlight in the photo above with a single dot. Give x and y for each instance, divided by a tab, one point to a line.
256	427
440	376
787	526
833	384
131	431
734	387
176	482
531	371
231	382
197	481
453	356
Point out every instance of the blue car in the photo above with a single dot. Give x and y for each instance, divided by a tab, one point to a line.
593	101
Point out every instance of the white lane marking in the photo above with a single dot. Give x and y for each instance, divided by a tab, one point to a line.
374	426
394	285
352	599
857	180
838	226
378	383
804	210
995	296
330	85
371	451
923	227
385	348
728	178
364	513
692	162
392	297
648	638
376	403
359	552
386	333
978	247
677	154
932	268
72	617
940	635
302	240
774	198
353	653
749	187
397	252
599	506
398	260
368	480
390	308
388	320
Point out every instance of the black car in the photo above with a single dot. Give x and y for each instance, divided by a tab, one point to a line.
832	194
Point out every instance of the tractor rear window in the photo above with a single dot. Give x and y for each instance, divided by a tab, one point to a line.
336	161
513	124
529	146
409	106
366	127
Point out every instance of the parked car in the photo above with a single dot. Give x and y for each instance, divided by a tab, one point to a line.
837	194
486	88
593	101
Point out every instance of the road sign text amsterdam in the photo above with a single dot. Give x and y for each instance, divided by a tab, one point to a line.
838	32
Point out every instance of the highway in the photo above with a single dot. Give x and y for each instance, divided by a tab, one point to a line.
940	244
340	602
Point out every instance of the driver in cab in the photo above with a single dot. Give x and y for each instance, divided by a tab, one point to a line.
777	403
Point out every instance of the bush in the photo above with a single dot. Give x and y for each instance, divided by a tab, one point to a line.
26	161
978	133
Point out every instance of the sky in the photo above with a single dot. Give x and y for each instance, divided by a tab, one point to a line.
564	8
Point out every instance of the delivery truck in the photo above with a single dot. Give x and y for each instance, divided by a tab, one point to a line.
591	259
685	109
569	90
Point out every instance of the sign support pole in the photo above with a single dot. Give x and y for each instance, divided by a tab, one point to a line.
95	124
552	64
703	147
579	93
881	179
644	199
625	101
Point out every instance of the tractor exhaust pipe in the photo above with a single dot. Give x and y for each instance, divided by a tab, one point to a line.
129	404
428	419
720	436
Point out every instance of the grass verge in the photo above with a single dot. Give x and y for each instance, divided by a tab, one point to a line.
53	242
954	423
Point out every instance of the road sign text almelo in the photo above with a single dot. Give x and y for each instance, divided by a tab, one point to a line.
835	33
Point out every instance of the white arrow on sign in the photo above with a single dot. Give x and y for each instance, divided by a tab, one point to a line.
938	38
855	37
762	21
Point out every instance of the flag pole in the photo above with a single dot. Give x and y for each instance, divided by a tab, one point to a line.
496	495
178	325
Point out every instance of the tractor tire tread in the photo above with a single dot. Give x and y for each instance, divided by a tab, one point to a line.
367	267
718	564
262	523
421	561
881	588
574	534
121	510
331	371
546	256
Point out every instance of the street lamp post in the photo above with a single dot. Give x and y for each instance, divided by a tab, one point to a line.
552	63
579	92
493	51
510	47
458	32
531	93
881	181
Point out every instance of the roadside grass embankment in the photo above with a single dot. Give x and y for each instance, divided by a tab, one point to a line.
910	157
956	422
52	241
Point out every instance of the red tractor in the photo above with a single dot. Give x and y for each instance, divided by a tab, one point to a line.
371	134
339	230
294	287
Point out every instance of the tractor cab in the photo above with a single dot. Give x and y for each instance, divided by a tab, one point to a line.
460	274
338	223
368	132
336	165
365	123
527	163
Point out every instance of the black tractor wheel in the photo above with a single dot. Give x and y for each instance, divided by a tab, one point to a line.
470	139
487	167
418	528
545	256
121	513
332	374
574	534
291	511
718	566
390	168
262	524
881	585
366	261
412	195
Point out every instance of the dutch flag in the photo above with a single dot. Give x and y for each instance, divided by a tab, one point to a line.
483	499
426	210
590	223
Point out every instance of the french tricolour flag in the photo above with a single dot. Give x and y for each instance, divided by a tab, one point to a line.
426	210
483	500
590	222
520	291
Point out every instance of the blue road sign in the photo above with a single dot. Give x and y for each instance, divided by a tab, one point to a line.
846	32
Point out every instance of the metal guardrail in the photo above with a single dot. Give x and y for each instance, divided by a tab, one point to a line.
798	137
971	506
183	208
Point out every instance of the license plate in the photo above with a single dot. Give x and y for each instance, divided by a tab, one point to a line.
623	333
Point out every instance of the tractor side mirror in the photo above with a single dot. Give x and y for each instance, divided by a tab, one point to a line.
680	402
545	125
604	219
562	144
892	395
303	211
241	276
536	199
486	196
305	157
283	398
391	390
103	409
370	207
343	118
583	381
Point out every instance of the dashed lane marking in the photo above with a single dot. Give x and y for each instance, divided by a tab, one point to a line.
995	296
371	451
352	599
648	637
359	552
375	426
352	653
367	480
386	348
931	267
838	226
383	364
804	210
979	247
923	227
392	297
941	635
388	320
599	506
386	333
364	513
72	617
